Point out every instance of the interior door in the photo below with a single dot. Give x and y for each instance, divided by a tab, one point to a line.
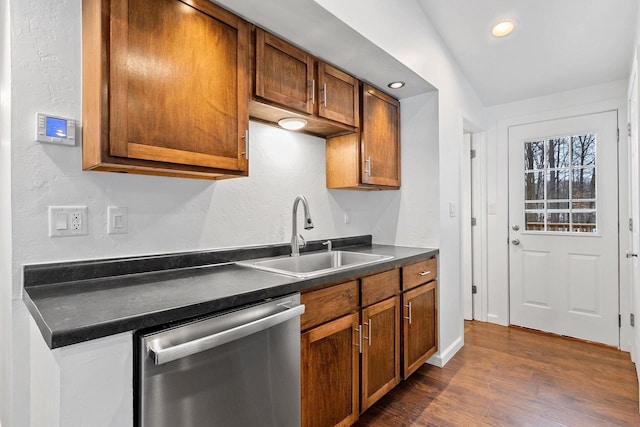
563	210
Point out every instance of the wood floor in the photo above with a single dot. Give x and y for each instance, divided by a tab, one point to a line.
516	377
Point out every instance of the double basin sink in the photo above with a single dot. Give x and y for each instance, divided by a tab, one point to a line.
314	264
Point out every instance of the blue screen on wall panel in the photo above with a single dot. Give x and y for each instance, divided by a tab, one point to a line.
56	127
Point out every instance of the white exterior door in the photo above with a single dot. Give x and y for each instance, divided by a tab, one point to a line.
563	237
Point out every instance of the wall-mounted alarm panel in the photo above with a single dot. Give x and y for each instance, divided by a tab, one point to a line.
55	130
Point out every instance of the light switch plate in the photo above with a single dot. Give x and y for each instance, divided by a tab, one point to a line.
117	220
68	221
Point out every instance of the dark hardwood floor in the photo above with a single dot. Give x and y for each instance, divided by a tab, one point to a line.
516	377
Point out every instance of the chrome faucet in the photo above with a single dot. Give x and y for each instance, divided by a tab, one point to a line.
308	225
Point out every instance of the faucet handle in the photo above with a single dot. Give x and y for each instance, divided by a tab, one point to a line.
303	243
327	244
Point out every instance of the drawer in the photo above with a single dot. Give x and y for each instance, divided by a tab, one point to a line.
380	286
328	304
419	273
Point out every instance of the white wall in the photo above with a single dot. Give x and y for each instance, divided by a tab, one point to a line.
576	102
86	384
407	34
414	217
169	214
5	217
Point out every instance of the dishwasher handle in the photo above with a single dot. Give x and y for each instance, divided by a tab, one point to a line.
161	355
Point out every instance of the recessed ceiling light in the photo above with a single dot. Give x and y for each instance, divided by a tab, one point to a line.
502	28
396	85
292	123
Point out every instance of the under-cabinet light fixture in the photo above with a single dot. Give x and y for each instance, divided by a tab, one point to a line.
503	28
292	123
396	85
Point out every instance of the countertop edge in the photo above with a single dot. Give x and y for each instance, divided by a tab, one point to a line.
56	338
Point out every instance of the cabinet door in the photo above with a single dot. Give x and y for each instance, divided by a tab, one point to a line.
179	83
420	326
338	95
284	73
330	373
380	350
380	139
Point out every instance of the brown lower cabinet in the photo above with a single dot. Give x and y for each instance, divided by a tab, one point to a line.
330	373
357	335
420	326
380	350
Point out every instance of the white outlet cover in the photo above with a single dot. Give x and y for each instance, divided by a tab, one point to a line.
68	221
117	220
453	210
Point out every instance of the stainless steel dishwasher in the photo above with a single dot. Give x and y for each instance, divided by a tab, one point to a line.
238	368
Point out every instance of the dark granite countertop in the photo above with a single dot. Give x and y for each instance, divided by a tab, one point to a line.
69	312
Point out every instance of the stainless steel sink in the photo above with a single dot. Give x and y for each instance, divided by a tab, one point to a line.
314	264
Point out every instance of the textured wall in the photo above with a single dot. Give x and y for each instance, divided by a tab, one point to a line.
5	218
172	214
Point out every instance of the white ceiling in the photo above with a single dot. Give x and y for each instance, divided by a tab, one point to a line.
557	45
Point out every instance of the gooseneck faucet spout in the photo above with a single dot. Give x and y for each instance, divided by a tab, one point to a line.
308	225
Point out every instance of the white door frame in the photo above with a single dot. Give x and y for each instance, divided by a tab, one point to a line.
548	108
478	140
633	121
503	140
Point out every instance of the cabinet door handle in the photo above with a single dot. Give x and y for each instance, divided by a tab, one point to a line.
409	307
313	91
359	331
324	94
368	337
246	144
367	167
424	273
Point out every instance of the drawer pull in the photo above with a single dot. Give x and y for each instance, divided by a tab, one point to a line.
424	273
359	345
368	337
409	307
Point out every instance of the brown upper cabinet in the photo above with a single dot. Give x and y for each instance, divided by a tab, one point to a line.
289	82
166	88
370	159
338	95
284	73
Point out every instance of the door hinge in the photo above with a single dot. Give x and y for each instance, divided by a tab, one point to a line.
619	320
618	130
630	224
628	129
473	222
473	154
474	289
632	320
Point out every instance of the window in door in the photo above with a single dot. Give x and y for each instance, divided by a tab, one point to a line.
560	184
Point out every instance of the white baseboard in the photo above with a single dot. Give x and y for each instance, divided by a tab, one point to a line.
441	358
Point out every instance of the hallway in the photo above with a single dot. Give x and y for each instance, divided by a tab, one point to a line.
516	377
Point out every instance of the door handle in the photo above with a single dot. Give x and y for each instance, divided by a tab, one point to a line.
368	337
516	242
161	354
409	317
630	254
515	227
